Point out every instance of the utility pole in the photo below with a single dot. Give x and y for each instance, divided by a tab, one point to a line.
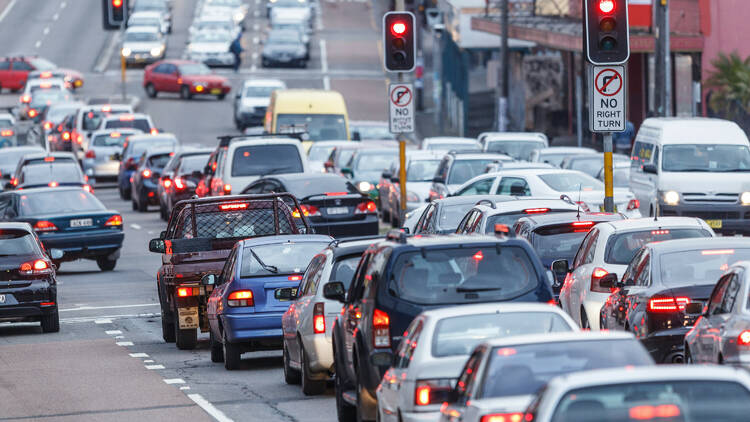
663	59
503	71
667	60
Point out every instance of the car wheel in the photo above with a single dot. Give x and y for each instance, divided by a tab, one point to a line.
310	387
167	328
185	339
106	264
232	354
133	204
185	92
217	351
584	320
150	90
291	375
221	97
345	412
51	322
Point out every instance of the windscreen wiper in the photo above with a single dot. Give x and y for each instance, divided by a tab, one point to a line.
476	289
269	268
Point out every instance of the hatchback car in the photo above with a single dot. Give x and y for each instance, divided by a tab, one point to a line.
136	121
442	216
14	70
458	167
52	174
146	177
187	78
100	161
484	215
132	150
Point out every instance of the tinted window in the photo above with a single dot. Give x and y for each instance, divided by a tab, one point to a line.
108	141
260	91
280	258
319	153
256	160
17	242
421	170
319	186
92	120
43	173
451	215
344	268
58	202
140	124
159	161
21	65
193	163
4	64
464	170
698	267
373	132
557	243
509	219
622	247
139	148
520	150
320	127
590	166
132	36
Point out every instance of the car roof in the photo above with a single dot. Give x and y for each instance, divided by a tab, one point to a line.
15	225
422	241
649	222
449	140
473	199
159	151
43	189
142	137
56	154
121	115
30	148
146	13
330	143
694	130
127	130
560	337
680	245
523	203
567	150
555	218
532	171
484	308
376	123
260	140
269	240
348	247
421	154
143	28
476	155
514	136
293	177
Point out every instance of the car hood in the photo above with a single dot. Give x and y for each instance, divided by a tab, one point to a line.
283	12
141	46
704	182
255	102
208	47
511	404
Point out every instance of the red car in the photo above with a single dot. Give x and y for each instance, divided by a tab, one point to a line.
14	71
185	77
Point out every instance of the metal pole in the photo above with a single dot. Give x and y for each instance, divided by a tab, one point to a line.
667	62
579	109
402	169
609	201
122	60
503	115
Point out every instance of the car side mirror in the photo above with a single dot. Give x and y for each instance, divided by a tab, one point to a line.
650	169
287	293
157	246
609	281
209	279
163	234
334	290
56	254
694	308
561	266
438	179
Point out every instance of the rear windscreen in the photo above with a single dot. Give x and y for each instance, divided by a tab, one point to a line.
16	242
140	124
705	266
43	174
141	147
159	161
344	268
233	224
108	141
193	163
622	247
278	258
256	160
58	202
562	243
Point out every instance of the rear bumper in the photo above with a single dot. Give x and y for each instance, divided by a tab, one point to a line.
105	169
367	226
242	328
85	244
665	345
25	303
319	349
420	416
734	218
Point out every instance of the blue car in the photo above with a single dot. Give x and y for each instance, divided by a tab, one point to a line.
247	303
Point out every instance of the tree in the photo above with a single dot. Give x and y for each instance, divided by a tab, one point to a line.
730	86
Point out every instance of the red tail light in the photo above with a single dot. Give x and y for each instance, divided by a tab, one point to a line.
233	207
88	188
336	193
39	266
381	329
6	132
227	189
146	173
646	412
744	338
44	226
582	226
154	131
667	304
32	113
295	277
115	220
422	395
53	184
48	125
536	210
240	298
14	181
79	139
307	210
634	204
90	154
26	99
432	391
503	417
179	183
49	159
597	275
188	291
166	183
319	318
368	207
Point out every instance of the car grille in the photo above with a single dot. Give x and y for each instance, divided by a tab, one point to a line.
716	197
712	215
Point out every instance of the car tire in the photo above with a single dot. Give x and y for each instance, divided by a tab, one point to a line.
184	339
185	92
232	354
291	375
221	97
217	351
50	323
310	387
151	90
167	328
133	204
106	264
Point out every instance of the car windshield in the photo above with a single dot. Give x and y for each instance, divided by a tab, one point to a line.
44	87
54	202
279	258
510	218
698	266
372	161
261	91
553	158
344	268
46	97
683	401
569	182
193	163
143	21
115	139
212	36
312	185
141	36
260	160
14	242
519	150
421	170
706	158
462	275
194	69
42	64
463	170
622	247
455	336
373	132
451	215
319	127
523	369
283	37
319	153
213	26
42	174
140	124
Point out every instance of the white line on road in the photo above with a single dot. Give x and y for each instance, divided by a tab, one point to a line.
256	27
124	343
185	388
154	366
209	408
256	13
255	55
136	226
102	321
56	16
175	381
106	319
139	355
91	308
62	5
7	9
148	361
46	30
118	337
256	40
113	332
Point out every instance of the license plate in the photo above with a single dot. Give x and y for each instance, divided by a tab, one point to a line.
2	298
337	210
216	91
714	224
601	208
188	317
82	222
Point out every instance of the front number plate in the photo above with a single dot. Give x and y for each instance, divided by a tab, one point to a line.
216	91
188	317
337	210
714	224
82	222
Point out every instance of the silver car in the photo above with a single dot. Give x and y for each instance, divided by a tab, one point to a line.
307	324
211	48
143	44
101	158
437	344
251	101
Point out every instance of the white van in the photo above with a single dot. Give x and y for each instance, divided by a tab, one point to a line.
694	167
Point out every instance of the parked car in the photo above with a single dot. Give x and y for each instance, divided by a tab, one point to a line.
180	178
184	77
132	150
518	145
459	167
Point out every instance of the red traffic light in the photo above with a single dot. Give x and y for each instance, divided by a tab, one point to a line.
607	6
398	28
117	3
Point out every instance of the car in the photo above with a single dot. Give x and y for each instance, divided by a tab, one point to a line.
366	166
620	174
284	47
40	101
244	311
52	174
556	155
211	48
316	114
290	19
33	158
14	70
161	6
307	324
518	145
366	130
52	120
9	158
100	161
319	153
667	393
145	183
70	219
420	170
402	276
35	85
342	153
180	178
501	377
331	203
132	150
458	167
251	101
143	44
204	185
235	8
437	344
442	216
482	217
651	295
305	7
211	23
138	121
29	288
88	119
185	77
609	248
7	131
73	79
721	334
553	183
149	19
450	143
593	164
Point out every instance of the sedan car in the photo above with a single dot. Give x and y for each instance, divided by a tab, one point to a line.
458	167
437	344
29	287
211	48
244	309
251	101
180	178
52	174
69	219
502	376
366	166
591	164
149	18
184	77
143	44
132	150
284	47
100	161
146	177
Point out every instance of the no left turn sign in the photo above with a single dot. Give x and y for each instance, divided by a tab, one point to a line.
607	98
401	116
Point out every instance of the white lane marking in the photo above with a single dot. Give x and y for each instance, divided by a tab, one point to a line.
107	54
139	355
46	30
103	321
56	16
113	332
256	13
209	408
91	308
256	40
185	388
324	65
106	319
7	9
117	337
38	44
175	381
148	361
124	343
253	68
255	55
154	366
62	5
136	226
256	27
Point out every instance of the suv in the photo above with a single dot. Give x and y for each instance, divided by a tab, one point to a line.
459	167
441	271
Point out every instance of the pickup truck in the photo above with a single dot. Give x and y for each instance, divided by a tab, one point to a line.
199	237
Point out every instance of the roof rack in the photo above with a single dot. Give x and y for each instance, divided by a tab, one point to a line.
396	235
225	140
486	202
337	242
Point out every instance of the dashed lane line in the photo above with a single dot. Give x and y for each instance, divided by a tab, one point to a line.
209	408
7	9
92	308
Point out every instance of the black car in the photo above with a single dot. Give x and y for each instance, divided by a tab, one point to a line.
651	297
284	47
52	174
442	216
331	203
145	182
180	178
28	288
399	278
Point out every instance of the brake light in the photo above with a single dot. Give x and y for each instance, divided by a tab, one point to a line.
39	266
368	207
232	207
88	188
79	139
422	395
146	173
336	193
180	184
478	256
130	163
240	298
659	232
432	391
166	183
667	304
307	210
44	226
295	277
652	412
45	75
154	131
115	135
319	318
381	329
744	338
582	223
634	204
719	252
106	109
48	125
26	98
127	117
115	220
14	181
53	184
536	210
227	188
66	136
6	132
503	417
49	159
188	291
90	154
596	276
32	113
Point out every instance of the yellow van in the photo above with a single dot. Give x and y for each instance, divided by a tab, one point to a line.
319	113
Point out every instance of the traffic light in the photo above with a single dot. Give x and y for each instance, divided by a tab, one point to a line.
114	13
399	41
606	31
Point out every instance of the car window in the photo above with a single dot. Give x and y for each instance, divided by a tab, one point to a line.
141	124
344	268
464	170
375	271
621	247
717	296
159	161
43	174
583	250
628	276
686	268
312	276
730	295
15	242
408	345
228	270
594	237
642	152
515	186
480	187
424	219
356	289
465	381
255	160
4	64
278	258
21	65
463	226
643	271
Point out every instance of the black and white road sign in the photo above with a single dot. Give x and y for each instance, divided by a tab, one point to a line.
401	101
607	98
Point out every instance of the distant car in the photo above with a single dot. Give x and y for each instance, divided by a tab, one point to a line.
184	77
235	9
556	155
448	143
211	48
35	85
7	130
305	7
88	119
143	44
40	101
52	119
342	153
14	70
34	158
459	167
442	216
137	121
620	174
70	219
420	171
180	178
100	161
211	23
363	130
161	6
244	309
251	101
592	163
366	166
518	145
332	204
437	344
319	153
284	47
29	288
502	375
132	150
149	18
9	158
145	182
52	174
73	79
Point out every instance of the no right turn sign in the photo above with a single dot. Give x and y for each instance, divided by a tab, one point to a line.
607	98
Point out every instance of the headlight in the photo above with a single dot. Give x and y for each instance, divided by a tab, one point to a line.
745	198
239	16
364	186
156	51
412	197
671	197
126	51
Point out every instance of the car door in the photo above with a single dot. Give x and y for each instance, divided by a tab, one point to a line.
725	341
171	77
5	73
215	303
572	291
19	71
352	310
397	375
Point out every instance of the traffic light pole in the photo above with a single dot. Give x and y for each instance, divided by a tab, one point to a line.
122	62
402	169
609	200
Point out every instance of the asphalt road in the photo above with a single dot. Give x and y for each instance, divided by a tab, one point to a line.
109	362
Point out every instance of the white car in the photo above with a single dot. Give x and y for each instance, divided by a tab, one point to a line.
211	48
448	143
218	22
292	16
518	145
251	101
143	44
608	249
552	183
319	153
556	155
234	8
437	344
481	219
33	85
663	393
502	376
149	18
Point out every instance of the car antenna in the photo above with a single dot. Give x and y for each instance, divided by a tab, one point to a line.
656	211
578	204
